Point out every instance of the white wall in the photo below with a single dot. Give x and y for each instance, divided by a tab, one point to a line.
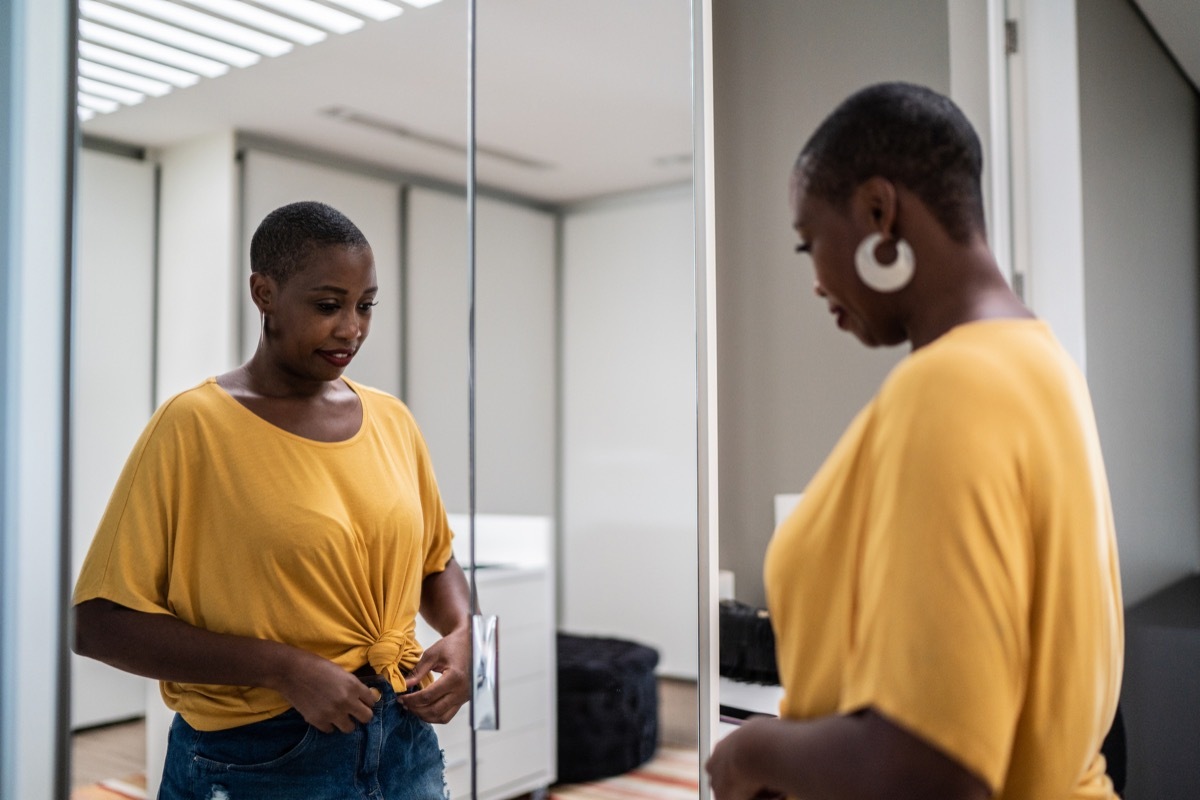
113	336
1141	215
789	381
628	542
270	181
515	370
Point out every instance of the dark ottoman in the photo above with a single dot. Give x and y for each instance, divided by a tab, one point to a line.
607	707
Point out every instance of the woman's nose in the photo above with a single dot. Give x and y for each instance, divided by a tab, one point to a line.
819	290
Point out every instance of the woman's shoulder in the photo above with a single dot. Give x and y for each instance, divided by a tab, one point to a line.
382	404
991	364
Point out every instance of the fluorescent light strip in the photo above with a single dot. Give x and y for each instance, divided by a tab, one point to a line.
167	34
117	77
126	97
137	66
219	29
100	104
84	113
377	10
152	50
263	20
421	3
322	16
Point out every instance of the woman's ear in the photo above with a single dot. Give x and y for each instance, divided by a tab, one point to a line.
262	290
875	202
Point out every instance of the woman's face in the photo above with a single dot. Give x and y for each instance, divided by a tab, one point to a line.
320	316
830	237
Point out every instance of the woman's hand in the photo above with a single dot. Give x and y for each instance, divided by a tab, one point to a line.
450	656
726	767
328	697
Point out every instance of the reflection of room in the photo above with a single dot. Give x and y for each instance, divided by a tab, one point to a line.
586	389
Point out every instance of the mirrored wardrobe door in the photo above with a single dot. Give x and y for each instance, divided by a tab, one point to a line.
183	154
586	391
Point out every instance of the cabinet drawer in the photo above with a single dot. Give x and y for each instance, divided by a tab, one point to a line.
520	600
523	652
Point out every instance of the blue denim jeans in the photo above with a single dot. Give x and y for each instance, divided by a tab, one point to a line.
395	756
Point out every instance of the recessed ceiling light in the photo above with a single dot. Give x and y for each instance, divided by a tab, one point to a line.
155	51
118	77
263	20
167	34
206	24
131	48
316	14
137	65
101	104
378	10
126	97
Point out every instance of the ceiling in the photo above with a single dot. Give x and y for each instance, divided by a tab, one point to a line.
574	99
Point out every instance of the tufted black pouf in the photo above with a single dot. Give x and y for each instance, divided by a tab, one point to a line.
607	707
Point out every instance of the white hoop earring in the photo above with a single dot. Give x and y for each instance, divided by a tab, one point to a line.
880	277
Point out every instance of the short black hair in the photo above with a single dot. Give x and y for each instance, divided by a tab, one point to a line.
290	234
909	134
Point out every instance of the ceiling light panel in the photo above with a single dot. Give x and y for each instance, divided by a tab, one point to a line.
325	17
136	65
100	104
154	51
118	77
208	25
129	49
167	34
126	97
263	20
377	10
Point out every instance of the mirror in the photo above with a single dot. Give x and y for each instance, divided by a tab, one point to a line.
586	406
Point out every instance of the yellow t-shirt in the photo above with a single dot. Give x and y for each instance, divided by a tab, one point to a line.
953	565
237	526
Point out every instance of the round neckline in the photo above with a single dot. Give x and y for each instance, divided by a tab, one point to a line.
358	434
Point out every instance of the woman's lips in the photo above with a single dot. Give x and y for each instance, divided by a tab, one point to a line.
339	358
839	315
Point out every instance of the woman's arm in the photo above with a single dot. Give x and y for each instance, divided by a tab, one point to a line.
855	757
164	647
446	606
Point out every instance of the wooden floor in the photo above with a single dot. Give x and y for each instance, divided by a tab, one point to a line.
116	751
113	751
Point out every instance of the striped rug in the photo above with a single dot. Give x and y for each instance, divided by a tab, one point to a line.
132	787
672	774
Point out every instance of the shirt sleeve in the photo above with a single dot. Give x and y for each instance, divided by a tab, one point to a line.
128	560
939	642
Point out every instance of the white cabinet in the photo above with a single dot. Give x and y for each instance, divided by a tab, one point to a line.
521	756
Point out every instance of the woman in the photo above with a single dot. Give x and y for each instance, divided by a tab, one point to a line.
945	597
268	546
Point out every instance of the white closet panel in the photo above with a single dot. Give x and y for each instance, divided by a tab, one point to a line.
629	425
271	181
113	361
515	345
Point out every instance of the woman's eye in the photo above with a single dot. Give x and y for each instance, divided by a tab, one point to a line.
327	308
366	307
803	247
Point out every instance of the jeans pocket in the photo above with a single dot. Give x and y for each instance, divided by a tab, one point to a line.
264	745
